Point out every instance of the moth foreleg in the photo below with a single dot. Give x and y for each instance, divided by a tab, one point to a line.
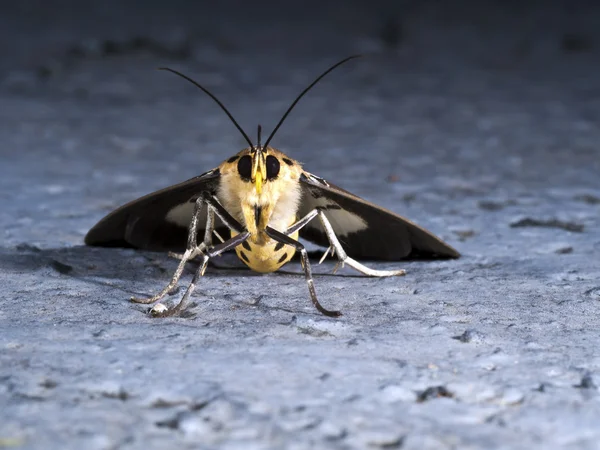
285	239
162	311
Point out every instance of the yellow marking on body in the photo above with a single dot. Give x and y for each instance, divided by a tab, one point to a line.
258	203
264	258
259	172
258	182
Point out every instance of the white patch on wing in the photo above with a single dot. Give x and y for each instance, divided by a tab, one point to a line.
182	215
342	221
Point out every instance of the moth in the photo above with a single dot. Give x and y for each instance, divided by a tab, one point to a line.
259	202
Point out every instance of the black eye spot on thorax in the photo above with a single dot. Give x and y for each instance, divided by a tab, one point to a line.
233	159
245	167
272	167
288	161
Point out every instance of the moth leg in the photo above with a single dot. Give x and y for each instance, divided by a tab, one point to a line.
210	228
162	311
285	239
218	236
201	247
336	247
329	250
304	221
192	250
345	259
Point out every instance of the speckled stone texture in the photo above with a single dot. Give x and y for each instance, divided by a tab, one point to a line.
477	120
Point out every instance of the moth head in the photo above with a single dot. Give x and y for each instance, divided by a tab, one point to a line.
259	165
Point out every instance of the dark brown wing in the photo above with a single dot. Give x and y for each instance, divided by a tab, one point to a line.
158	221
365	230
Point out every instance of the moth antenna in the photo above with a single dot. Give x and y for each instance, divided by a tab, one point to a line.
259	133
289	110
207	92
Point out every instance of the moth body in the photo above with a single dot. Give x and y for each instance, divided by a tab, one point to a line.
273	201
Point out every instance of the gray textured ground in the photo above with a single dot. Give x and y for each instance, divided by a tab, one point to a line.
479	123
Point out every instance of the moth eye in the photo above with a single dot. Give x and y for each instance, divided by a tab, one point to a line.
245	167
272	167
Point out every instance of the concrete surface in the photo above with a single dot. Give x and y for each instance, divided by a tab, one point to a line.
478	121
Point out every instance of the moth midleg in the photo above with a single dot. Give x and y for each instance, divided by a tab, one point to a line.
210	252
285	239
337	247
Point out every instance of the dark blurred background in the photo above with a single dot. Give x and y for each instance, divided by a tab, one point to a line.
46	35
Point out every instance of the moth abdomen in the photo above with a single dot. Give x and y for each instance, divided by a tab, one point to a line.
265	257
